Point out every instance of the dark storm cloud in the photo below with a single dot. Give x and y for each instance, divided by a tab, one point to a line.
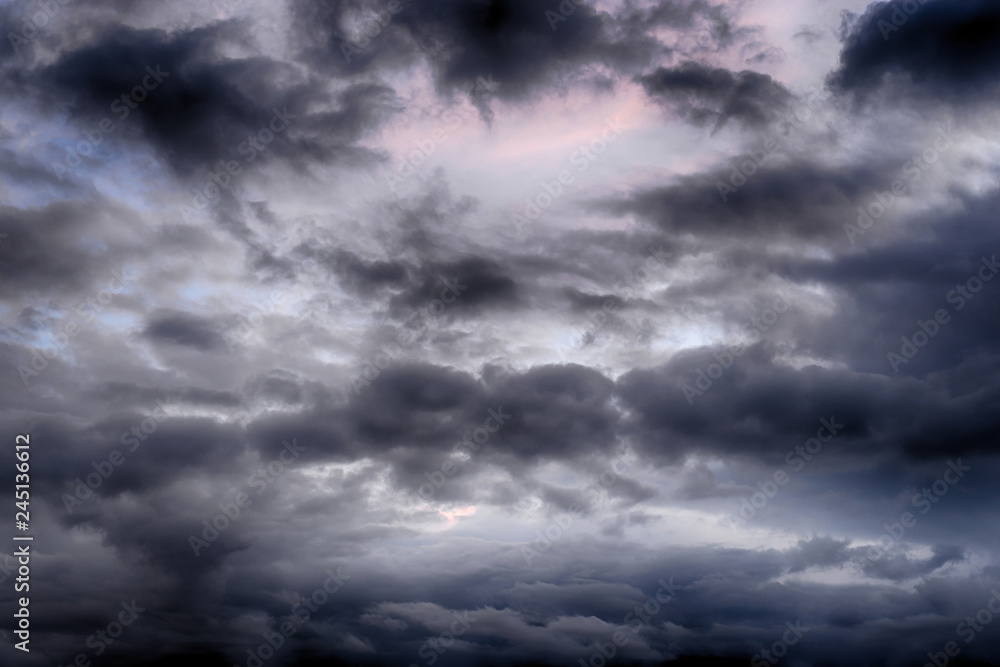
728	599
396	614
582	301
366	277
943	50
200	109
713	96
465	284
819	552
913	422
899	567
351	498
668	424
601	265
197	107
426	273
683	13
798	198
700	482
759	53
415	404
184	329
559	411
43	250
333	135
899	282
177	447
759	408
282	387
514	41
416	413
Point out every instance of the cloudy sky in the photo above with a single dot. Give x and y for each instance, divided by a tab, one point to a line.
502	332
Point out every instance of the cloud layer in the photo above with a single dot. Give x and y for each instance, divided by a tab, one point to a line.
497	332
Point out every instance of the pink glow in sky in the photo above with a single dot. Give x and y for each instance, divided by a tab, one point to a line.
452	517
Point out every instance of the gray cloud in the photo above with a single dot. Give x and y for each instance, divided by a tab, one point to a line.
258	391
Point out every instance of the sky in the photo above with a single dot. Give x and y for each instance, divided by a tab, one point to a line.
501	332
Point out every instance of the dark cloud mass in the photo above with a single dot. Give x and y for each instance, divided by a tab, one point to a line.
519	42
500	332
942	50
713	96
181	329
